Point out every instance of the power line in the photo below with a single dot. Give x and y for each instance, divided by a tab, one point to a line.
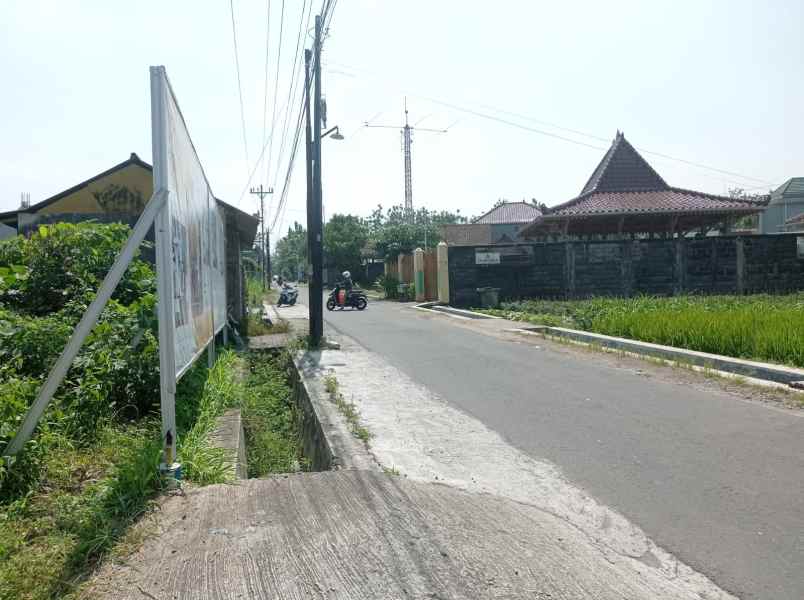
559	127
265	80
239	85
276	91
292	88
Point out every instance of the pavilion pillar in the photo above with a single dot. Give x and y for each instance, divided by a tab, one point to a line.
679	267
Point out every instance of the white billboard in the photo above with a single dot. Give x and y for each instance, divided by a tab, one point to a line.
190	241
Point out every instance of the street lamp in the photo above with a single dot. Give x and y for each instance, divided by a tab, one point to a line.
335	133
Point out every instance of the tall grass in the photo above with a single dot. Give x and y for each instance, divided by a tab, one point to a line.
760	327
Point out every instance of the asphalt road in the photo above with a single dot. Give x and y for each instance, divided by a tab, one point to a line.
715	480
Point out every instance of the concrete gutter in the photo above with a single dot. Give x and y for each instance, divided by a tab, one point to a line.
230	436
778	374
327	441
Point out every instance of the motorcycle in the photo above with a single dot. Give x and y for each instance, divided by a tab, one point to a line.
287	296
340	298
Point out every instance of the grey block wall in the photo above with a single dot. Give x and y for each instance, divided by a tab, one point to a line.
713	265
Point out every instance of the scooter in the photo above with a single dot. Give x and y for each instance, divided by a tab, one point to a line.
288	295
340	298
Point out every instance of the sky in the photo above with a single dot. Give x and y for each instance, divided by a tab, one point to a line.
531	94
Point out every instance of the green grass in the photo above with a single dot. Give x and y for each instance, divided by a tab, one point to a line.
255	326
270	417
89	494
760	327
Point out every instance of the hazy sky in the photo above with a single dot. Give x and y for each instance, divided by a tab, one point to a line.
717	83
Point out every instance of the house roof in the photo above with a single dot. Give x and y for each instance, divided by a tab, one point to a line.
666	201
245	223
792	187
509	212
132	160
623	169
625	185
797	220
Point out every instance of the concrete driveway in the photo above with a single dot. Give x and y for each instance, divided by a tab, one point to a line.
713	478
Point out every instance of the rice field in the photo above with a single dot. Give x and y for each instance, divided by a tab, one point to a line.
759	327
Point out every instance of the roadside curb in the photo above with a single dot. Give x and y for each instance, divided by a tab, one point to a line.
230	437
734	367
326	438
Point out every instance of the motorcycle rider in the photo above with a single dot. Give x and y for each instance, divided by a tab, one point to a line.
346	285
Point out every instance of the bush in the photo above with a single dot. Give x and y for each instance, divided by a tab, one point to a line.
389	285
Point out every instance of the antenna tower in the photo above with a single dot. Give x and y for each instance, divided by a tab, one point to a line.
407	138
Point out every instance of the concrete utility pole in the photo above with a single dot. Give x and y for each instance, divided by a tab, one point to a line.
265	259
315	227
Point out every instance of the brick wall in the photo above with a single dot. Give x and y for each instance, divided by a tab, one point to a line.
713	265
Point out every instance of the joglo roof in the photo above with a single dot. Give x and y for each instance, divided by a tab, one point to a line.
624	186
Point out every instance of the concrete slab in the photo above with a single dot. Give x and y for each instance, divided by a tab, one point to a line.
354	534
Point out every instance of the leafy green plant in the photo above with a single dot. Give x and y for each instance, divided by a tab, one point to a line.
389	285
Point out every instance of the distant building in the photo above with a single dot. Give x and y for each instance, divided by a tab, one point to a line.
786	203
795	223
118	195
501	225
626	197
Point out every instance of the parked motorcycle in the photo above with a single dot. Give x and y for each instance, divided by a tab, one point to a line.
287	296
340	298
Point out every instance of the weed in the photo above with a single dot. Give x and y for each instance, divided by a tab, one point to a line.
347	409
390	471
270	417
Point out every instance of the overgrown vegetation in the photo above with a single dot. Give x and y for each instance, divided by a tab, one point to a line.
759	327
270	417
389	284
91	468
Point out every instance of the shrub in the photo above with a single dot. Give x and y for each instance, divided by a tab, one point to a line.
389	285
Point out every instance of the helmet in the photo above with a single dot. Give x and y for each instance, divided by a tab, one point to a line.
346	274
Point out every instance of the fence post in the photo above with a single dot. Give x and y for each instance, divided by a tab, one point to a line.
569	268
740	265
418	274
680	266
443	272
400	273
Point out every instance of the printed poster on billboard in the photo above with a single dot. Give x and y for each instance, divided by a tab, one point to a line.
193	247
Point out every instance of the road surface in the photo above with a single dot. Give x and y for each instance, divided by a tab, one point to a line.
716	480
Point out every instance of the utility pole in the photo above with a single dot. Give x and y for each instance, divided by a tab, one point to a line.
315	229
265	259
309	156
407	139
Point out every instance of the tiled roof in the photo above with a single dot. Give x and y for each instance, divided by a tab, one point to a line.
666	201
467	234
510	212
623	169
797	220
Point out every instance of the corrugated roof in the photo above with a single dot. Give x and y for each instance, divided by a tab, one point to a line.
509	212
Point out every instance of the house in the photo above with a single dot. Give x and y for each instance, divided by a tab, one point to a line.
625	197
118	195
501	225
786	203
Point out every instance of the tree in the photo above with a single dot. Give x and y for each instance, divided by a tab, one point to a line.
290	256
397	232
344	239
